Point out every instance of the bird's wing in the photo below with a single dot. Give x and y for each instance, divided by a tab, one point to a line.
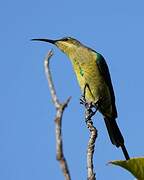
103	68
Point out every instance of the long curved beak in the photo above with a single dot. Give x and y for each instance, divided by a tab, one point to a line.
45	40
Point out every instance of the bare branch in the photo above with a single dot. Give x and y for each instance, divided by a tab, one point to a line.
60	107
49	79
90	150
91	144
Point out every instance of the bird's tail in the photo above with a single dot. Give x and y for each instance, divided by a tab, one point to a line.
115	135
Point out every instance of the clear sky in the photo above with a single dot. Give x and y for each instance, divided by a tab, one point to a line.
27	136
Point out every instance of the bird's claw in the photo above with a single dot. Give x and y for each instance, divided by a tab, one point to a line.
89	112
83	100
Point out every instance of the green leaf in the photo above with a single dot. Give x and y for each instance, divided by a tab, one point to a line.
134	165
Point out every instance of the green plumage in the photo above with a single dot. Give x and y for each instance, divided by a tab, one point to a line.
93	75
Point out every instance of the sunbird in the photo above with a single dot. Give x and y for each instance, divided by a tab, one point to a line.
95	82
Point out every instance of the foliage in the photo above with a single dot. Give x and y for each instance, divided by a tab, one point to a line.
134	165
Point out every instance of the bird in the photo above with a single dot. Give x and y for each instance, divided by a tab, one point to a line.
95	82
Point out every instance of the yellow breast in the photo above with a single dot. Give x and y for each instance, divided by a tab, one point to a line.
88	74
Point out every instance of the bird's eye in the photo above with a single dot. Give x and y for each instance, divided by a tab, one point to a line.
66	38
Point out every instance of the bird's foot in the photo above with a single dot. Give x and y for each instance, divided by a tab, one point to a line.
90	108
83	100
90	111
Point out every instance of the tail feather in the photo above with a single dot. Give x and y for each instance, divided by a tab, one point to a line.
125	152
115	135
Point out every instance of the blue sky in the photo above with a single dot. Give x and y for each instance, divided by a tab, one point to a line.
27	137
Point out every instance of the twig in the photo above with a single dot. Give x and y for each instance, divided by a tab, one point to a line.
91	144
90	150
60	107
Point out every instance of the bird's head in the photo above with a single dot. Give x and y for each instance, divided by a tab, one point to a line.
66	44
